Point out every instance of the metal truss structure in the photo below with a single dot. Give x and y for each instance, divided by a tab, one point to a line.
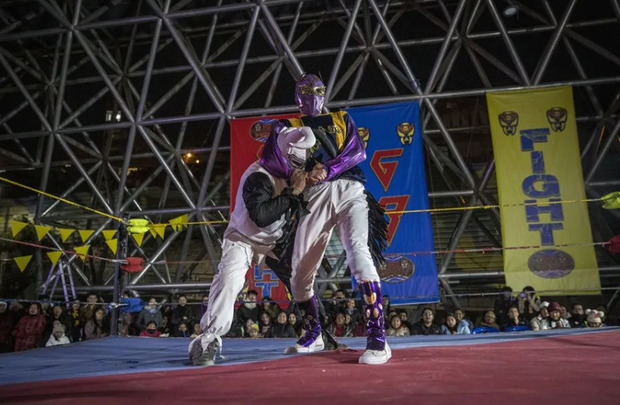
124	106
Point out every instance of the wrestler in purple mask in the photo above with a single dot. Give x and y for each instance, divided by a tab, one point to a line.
310	95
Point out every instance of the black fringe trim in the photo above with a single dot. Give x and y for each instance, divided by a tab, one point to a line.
377	230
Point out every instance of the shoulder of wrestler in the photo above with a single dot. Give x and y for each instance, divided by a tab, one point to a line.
257	182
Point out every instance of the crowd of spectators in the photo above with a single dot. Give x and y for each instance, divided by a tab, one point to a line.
24	327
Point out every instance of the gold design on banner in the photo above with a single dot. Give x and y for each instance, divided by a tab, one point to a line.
405	132
557	117
364	133
509	120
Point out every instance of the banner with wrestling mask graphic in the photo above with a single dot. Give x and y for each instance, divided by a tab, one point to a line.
541	192
395	174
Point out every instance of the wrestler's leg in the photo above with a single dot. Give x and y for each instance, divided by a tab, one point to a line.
352	222
313	233
226	285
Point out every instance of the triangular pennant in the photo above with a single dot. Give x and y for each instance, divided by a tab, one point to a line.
159	229
82	251
177	222
42	230
108	233
22	262
152	231
112	244
138	237
54	256
85	234
65	233
17	226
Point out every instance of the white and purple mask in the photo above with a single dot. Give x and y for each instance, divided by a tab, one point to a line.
295	144
310	95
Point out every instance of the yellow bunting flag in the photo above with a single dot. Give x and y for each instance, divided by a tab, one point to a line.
42	230
177	223
158	229
65	233
54	256
82	251
138	237
22	262
109	233
17	226
85	234
112	244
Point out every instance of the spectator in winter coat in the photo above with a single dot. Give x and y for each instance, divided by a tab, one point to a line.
87	310
541	321
555	317
6	326
249	309
271	307
426	326
204	304
58	315
397	328
96	327
150	330
150	313
461	317
76	326
182	330
453	327
57	336
281	329
489	320
514	319
339	328
578	316
29	329
264	324
182	313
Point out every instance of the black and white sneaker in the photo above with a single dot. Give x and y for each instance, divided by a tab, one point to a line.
204	357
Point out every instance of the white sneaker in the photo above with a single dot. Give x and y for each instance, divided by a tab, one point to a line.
315	346
376	356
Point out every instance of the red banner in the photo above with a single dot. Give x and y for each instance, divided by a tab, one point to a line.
247	138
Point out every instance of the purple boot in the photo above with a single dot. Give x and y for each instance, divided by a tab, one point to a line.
311	341
377	349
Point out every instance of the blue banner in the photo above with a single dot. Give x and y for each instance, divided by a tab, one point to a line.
394	169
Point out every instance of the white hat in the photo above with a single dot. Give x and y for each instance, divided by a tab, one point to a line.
594	316
545	304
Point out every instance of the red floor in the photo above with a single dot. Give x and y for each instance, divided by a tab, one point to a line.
557	370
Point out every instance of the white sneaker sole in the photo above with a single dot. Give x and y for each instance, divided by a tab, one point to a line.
376	357
317	346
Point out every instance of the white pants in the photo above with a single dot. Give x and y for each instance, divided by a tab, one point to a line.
226	285
340	203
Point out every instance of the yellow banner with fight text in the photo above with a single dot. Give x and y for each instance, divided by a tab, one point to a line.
538	169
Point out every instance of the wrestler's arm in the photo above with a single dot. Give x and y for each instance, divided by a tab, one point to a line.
263	208
352	153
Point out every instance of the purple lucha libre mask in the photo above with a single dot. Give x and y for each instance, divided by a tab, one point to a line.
310	95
